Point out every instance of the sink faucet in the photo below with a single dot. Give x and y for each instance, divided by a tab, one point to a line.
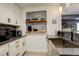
71	36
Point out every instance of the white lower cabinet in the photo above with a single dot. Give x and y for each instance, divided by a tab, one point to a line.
4	50
12	51
22	45
13	48
17	47
68	51
75	51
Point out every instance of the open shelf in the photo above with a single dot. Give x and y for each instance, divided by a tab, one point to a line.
40	31
36	21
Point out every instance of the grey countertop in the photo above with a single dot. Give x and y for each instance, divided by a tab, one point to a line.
61	44
10	40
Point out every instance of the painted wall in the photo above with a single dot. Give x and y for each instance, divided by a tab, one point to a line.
52	13
38	42
71	9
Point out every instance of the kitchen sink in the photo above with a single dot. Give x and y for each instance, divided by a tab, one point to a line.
61	43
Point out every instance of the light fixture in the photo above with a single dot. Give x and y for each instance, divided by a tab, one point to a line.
60	9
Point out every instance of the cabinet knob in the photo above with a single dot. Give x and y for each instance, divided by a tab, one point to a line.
23	43
7	54
16	22
9	20
17	46
17	42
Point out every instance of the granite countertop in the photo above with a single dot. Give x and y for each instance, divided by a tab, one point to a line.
12	39
76	42
60	45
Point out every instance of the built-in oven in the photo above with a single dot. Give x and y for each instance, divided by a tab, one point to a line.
5	34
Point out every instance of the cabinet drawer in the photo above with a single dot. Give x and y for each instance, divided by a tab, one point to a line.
4	47
13	43
75	51
68	51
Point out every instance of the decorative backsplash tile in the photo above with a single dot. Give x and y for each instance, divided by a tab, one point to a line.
39	26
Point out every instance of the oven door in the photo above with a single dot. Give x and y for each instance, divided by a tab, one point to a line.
2	35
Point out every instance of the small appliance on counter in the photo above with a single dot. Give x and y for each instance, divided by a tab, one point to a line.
16	33
5	34
35	29
29	28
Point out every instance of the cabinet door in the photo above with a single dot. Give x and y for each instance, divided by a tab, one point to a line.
75	51
17	16
12	21
3	20
12	51
68	51
4	50
22	48
3	53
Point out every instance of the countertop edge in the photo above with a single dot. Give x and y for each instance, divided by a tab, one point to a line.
12	39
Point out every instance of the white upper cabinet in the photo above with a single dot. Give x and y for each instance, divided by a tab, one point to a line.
17	16
9	14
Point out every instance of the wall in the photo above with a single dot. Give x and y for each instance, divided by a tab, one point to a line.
52	13
71	9
38	42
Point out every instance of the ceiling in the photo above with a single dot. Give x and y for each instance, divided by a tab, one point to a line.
24	5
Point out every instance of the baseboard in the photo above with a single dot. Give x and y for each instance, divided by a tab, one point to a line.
37	53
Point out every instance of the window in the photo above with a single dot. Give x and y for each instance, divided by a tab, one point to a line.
77	26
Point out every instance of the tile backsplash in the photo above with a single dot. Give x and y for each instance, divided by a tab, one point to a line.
38	26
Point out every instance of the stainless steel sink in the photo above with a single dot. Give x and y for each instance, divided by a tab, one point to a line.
61	43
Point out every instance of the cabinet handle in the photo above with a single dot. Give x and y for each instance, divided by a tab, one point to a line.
17	41
23	43
9	20
17	54
17	46
16	22
7	54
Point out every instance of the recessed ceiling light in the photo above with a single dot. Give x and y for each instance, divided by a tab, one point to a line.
67	4
60	9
